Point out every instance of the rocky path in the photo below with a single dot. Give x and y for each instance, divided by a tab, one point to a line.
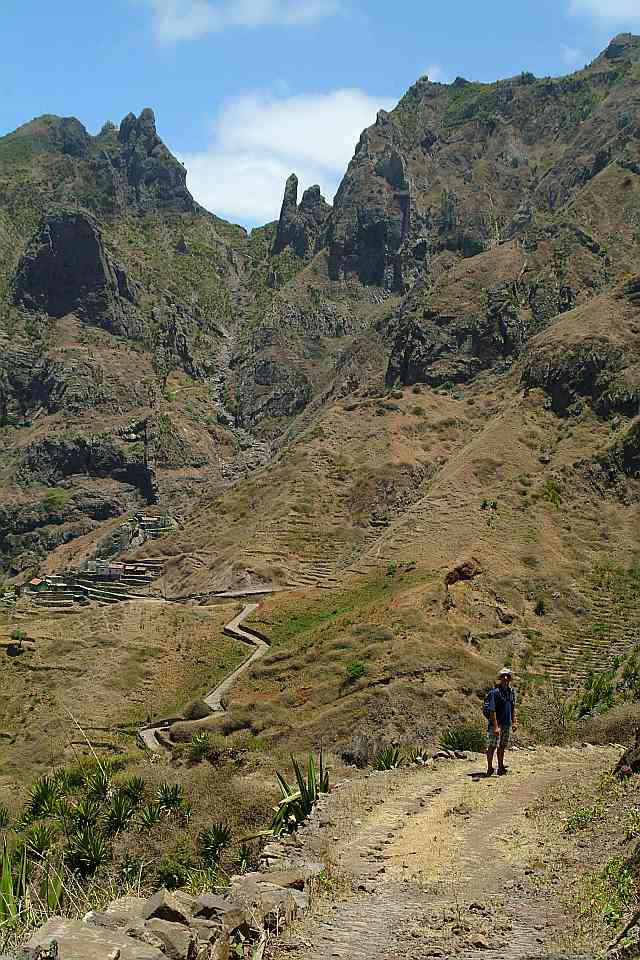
234	629
441	862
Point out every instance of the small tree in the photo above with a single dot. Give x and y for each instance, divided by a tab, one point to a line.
18	637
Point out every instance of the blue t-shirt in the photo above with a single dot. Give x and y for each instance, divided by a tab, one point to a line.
503	701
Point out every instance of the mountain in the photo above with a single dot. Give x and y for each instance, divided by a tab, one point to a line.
418	409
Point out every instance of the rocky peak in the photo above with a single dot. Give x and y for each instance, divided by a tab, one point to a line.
625	46
139	169
54	134
301	227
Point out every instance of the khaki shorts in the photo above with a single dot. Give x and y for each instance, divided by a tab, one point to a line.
498	740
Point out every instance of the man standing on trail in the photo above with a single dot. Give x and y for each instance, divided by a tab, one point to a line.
500	708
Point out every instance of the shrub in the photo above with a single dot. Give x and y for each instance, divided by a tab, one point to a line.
354	671
549	715
173	872
18	636
464	735
541	607
583	816
599	691
611	892
633	824
200	747
551	493
5	819
55	499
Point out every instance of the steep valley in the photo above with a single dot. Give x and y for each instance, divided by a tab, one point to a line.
409	420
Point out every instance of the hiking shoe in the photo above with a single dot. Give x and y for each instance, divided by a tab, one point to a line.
502	772
490	773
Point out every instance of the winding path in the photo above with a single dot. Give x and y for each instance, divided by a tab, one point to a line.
235	629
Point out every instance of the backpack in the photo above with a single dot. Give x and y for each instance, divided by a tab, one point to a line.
486	709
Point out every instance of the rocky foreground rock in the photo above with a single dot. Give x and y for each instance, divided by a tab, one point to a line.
176	925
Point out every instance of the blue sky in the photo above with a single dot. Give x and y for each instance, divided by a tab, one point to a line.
245	91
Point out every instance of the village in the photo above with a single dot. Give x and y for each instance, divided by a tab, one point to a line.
102	581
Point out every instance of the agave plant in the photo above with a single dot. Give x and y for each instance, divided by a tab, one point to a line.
97	783
134	788
418	756
39	840
13	884
84	813
296	805
43	800
213	841
170	796
149	816
88	851
120	813
389	759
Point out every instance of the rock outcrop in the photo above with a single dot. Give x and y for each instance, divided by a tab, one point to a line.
372	217
136	169
434	347
67	269
594	369
178	926
301	227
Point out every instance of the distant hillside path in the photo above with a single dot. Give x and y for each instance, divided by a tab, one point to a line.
234	629
434	863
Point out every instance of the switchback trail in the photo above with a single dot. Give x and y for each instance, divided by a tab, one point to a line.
434	862
234	629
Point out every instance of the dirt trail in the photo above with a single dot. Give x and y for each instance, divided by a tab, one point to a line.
437	863
234	628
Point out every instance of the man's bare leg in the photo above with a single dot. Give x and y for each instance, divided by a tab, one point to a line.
501	766
490	753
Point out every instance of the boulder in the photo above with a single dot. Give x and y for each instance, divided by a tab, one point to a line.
75	940
629	763
211	907
168	906
267	902
178	941
465	570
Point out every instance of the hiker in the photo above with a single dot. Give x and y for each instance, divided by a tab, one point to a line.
500	709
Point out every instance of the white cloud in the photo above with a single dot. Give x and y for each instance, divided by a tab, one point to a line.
176	20
617	12
436	73
572	57
260	138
